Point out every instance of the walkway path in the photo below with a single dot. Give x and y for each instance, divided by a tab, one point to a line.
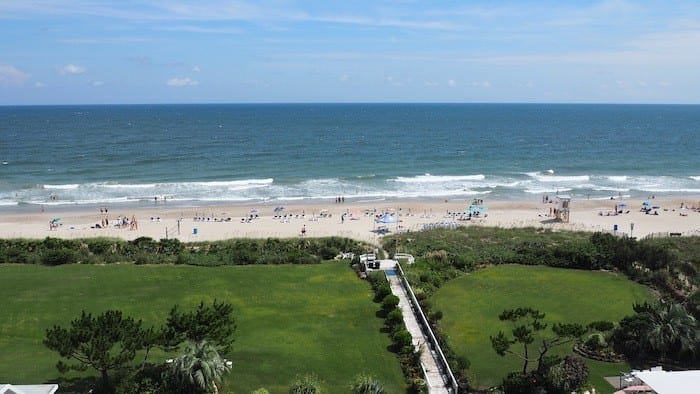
434	379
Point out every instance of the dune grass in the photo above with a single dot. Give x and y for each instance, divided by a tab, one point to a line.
291	319
471	305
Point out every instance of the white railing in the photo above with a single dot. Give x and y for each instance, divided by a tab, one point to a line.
451	381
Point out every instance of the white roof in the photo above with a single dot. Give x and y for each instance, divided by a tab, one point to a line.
28	388
671	382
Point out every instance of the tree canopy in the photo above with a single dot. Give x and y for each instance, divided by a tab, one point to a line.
527	326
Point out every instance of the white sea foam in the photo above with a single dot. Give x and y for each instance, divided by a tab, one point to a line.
547	190
562	178
695	178
8	203
235	183
62	187
428	178
617	178
126	185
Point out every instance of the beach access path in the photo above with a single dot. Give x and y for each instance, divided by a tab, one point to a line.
428	358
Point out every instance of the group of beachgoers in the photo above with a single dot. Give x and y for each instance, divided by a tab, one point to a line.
121	221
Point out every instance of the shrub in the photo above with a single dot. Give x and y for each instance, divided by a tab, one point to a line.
59	257
389	303
567	376
306	384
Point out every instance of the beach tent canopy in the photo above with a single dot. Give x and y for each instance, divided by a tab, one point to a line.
477	209
386	218
646	203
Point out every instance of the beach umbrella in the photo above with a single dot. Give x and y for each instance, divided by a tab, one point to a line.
622	205
655	207
646	203
55	220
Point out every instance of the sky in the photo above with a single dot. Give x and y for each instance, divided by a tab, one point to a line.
262	51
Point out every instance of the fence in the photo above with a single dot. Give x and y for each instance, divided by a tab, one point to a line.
425	326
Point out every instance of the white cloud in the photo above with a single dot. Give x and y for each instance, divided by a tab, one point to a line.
71	69
180	82
10	76
196	69
452	83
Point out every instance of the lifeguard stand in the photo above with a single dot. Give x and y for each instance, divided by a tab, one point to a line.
561	211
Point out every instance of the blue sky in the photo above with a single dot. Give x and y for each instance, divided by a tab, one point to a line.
176	51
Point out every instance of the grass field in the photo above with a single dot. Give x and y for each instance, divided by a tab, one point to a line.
471	305
291	319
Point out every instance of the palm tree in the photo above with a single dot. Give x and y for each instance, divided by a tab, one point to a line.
200	368
671	329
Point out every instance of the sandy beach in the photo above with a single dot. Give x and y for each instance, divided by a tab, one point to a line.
348	219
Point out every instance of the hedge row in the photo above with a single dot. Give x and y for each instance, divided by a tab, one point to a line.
144	250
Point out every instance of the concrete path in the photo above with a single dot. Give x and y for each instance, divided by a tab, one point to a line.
434	379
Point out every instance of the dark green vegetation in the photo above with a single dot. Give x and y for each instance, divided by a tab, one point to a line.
669	266
144	250
110	342
291	320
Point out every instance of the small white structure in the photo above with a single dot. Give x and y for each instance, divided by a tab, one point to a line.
28	388
369	261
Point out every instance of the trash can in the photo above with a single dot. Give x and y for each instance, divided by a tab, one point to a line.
194	231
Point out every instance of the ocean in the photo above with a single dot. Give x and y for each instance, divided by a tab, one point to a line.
253	153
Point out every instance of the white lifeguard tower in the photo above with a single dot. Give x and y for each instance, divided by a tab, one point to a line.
561	211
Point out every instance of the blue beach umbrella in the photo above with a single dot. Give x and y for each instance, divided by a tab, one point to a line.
646	203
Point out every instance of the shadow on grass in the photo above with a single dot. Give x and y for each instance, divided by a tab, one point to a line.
82	385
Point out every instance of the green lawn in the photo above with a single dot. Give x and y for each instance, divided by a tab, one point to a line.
471	305
291	319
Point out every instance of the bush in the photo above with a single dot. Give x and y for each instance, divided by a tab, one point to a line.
306	384
389	303
59	257
403	341
567	376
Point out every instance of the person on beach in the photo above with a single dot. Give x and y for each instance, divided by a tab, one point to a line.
303	230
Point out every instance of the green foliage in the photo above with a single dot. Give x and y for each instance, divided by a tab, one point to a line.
523	383
104	342
389	303
59	257
526	324
145	250
366	384
214	323
199	369
306	384
660	331
567	376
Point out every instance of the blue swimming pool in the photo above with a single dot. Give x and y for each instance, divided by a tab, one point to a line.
390	273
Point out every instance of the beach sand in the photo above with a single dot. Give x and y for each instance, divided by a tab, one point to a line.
320	220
